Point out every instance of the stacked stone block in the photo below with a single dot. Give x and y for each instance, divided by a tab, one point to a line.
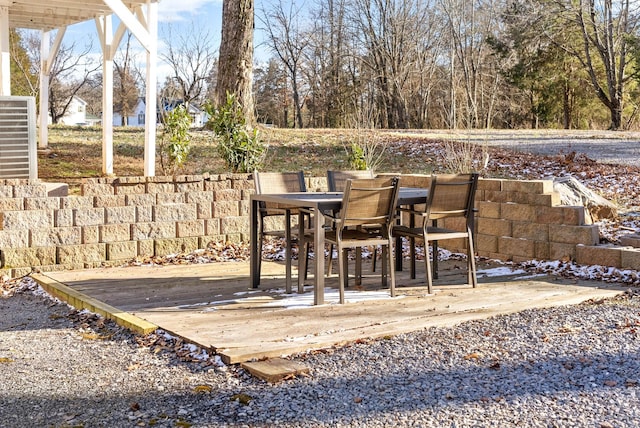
119	219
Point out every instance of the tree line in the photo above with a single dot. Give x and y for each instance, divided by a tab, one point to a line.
451	63
407	64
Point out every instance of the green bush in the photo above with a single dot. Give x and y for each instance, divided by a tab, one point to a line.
238	145
357	158
176	140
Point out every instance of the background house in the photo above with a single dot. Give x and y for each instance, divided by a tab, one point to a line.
77	114
136	118
199	117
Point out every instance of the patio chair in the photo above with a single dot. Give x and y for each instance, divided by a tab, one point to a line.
365	203
336	181
281	182
450	195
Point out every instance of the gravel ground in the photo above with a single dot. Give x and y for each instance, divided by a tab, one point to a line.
574	366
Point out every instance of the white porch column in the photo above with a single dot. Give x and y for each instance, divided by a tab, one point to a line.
105	31
151	95
48	54
45	41
5	57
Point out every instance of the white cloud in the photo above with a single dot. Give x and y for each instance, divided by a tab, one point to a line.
179	10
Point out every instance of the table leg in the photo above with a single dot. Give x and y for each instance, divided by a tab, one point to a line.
287	250
253	240
318	248
302	253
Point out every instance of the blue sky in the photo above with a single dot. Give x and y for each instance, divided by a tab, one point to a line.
174	13
170	12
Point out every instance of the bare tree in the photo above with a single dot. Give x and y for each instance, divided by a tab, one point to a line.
288	41
235	67
191	57
92	94
333	89
469	25
24	77
126	80
271	93
606	28
70	72
393	33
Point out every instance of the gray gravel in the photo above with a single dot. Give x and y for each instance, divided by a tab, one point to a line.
612	147
573	366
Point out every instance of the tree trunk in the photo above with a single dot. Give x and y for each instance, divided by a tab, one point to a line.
235	67
616	114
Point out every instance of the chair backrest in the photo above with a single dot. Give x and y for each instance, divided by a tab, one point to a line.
451	195
277	182
370	201
336	180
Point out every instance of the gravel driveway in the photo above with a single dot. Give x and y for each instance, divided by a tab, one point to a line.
604	146
572	366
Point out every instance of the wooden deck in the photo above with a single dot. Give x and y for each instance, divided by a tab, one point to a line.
212	306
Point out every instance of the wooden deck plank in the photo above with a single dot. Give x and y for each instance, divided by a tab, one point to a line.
211	306
275	369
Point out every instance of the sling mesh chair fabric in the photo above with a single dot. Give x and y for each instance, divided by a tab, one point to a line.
280	182
336	181
450	195
365	203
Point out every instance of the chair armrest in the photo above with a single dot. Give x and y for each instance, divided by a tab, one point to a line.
411	211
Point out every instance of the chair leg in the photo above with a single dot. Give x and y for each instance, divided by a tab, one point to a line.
434	256
358	263
343	275
412	256
392	273
374	259
303	254
329	259
427	265
471	262
385	256
307	250
260	238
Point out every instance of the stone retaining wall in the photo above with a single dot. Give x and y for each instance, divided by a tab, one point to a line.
119	219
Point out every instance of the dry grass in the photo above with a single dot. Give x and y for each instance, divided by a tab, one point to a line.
76	153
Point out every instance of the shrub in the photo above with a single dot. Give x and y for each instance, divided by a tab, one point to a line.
465	156
238	145
175	143
357	159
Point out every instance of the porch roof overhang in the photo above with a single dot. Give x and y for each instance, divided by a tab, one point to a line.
48	15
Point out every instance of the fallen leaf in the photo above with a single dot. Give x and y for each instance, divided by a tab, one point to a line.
473	356
90	336
357	400
242	398
6	360
202	388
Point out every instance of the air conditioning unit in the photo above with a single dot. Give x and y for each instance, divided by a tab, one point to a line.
18	141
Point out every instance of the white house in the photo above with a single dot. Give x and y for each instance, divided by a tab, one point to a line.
198	116
137	117
77	114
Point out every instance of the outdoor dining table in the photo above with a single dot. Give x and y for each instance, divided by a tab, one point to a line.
318	203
